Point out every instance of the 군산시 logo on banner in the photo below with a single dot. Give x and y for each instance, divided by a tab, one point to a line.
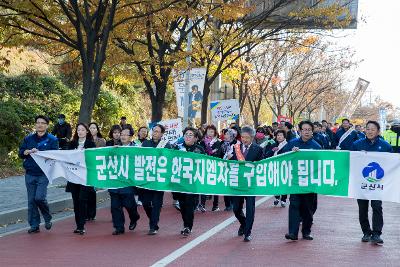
373	172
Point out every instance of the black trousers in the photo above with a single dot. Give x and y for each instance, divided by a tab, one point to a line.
80	196
152	202
118	202
282	197
92	205
302	207
315	203
228	201
204	199
246	222
187	204
377	216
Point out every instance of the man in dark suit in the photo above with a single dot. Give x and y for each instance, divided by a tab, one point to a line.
248	151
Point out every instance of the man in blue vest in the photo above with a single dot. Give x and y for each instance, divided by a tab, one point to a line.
35	180
302	206
359	131
345	136
373	143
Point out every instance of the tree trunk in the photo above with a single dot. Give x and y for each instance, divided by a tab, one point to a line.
204	104
157	102
278	110
156	111
90	93
255	116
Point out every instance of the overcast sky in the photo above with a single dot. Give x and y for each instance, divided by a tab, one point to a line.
377	42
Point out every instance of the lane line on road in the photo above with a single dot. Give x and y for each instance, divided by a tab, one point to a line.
41	224
198	240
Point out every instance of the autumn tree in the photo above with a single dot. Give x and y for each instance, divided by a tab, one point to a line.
232	33
80	29
156	46
267	60
306	71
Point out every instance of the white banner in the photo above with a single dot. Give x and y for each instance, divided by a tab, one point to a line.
69	164
375	176
196	87
224	110
173	129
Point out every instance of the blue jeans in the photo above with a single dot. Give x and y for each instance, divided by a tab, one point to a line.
36	187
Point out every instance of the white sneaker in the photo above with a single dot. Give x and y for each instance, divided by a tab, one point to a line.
283	204
139	203
186	231
176	205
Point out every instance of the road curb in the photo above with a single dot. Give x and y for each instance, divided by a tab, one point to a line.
21	214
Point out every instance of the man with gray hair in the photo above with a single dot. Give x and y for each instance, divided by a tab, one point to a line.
246	151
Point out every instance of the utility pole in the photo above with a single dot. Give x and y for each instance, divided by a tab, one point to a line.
187	77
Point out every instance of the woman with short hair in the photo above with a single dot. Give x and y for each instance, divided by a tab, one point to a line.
276	149
211	145
187	200
114	135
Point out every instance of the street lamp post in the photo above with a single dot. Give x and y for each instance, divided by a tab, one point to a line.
187	77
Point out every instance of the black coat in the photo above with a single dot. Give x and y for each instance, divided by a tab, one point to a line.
255	153
196	148
74	145
88	144
290	136
111	143
62	130
223	148
268	152
216	146
151	143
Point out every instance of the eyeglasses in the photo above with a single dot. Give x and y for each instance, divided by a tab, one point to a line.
189	135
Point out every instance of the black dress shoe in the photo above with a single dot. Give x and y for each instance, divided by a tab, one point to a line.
308	237
241	231
366	238
152	232
79	231
132	226
118	232
376	239
33	230
247	238
291	237
228	208
186	231
48	225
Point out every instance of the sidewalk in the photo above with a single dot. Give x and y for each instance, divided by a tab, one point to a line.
14	202
13	192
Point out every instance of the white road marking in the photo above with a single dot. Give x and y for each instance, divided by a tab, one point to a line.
197	241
